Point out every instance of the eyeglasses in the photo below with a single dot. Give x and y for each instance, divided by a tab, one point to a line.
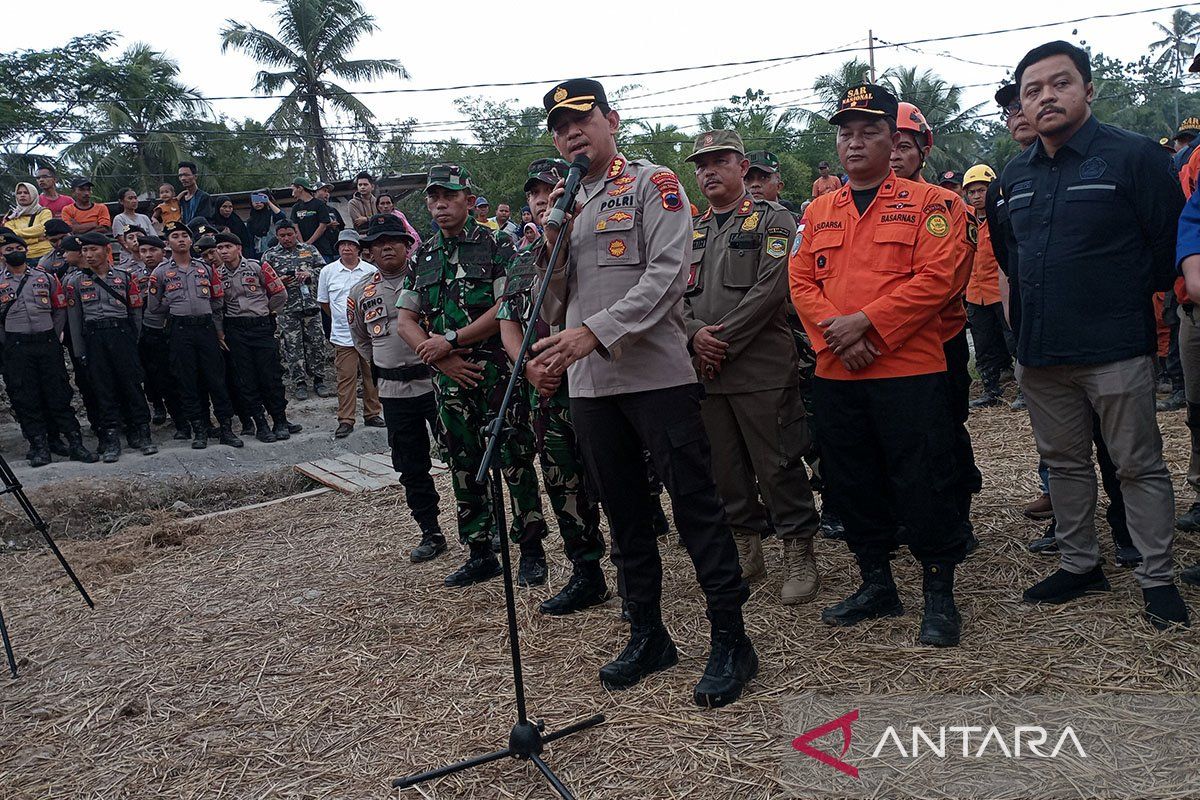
1013	108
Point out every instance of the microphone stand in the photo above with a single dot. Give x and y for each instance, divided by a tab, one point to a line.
13	486
526	740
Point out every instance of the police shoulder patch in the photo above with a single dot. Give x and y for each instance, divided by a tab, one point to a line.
937	225
973	232
776	246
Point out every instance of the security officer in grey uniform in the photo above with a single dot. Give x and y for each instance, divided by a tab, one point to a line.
154	347
33	315
254	295
618	288
404	381
192	295
736	317
104	312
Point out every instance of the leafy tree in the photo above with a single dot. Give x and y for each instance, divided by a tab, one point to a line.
239	156
1176	48
955	140
311	49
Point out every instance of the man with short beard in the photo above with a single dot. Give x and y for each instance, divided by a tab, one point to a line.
405	388
1094	211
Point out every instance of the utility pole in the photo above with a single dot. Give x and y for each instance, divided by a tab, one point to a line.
871	50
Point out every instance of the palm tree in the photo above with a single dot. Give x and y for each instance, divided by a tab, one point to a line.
314	41
1177	47
139	106
955	142
832	85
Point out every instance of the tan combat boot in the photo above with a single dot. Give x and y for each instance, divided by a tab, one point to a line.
749	548
800	579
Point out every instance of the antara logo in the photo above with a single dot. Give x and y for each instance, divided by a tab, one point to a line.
946	741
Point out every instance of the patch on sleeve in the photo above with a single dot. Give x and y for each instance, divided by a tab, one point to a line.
776	246
973	232
938	225
668	189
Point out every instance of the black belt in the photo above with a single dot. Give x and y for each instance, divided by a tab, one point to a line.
197	321
413	372
104	324
249	322
32	338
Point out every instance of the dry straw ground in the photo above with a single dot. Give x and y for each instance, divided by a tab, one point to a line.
294	652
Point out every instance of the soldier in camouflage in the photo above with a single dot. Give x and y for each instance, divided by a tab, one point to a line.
301	339
447	315
562	464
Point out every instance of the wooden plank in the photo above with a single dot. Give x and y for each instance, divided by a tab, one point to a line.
327	478
368	466
252	507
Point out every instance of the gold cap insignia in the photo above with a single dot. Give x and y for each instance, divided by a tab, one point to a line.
560	94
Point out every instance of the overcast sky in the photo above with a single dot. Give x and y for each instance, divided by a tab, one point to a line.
487	42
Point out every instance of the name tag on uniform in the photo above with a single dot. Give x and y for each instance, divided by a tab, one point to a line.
745	241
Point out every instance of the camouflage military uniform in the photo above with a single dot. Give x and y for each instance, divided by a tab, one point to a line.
301	338
454	282
562	465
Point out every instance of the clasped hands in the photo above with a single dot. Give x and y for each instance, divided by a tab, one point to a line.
847	338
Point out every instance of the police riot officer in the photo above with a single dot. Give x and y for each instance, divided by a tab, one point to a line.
618	292
254	294
736	318
33	315
192	296
103	311
404	382
577	513
448	316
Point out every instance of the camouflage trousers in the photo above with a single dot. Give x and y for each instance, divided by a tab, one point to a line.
578	514
303	347
463	413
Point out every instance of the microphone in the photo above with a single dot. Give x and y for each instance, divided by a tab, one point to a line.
574	177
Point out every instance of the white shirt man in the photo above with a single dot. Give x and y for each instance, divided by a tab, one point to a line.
333	287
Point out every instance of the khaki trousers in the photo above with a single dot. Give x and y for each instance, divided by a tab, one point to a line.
349	364
1061	400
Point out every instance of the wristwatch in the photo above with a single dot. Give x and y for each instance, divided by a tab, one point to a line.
451	337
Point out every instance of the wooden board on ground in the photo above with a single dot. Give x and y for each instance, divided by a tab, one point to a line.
352	473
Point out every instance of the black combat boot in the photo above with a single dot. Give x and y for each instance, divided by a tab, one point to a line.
1189	522
321	390
263	431
247	426
732	662
831	525
183	431
586	588
941	626
227	436
876	597
531	571
284	429
658	519
992	395
200	434
1165	607
481	566
140	440
39	451
432	545
301	392
57	446
159	415
650	649
78	451
110	446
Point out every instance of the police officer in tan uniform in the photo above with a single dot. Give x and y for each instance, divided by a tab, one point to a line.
736	317
619	293
404	381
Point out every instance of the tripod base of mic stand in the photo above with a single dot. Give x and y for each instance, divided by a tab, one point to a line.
524	742
8	651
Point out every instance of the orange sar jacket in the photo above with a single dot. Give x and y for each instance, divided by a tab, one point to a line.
966	231
984	288
900	263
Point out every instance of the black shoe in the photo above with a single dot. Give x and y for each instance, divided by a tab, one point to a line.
200	435
1127	555
732	662
876	597
321	390
77	451
247	426
110	446
57	446
263	430
987	400
432	545
140	440
1047	542
481	566
284	429
831	526
1165	607
1191	575
159	415
344	429
532	568
1019	404
649	650
227	436
39	451
374	422
1190	521
585	589
1064	586
941	626
183	431
1174	402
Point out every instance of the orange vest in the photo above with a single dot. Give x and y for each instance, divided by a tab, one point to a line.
984	287
900	262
